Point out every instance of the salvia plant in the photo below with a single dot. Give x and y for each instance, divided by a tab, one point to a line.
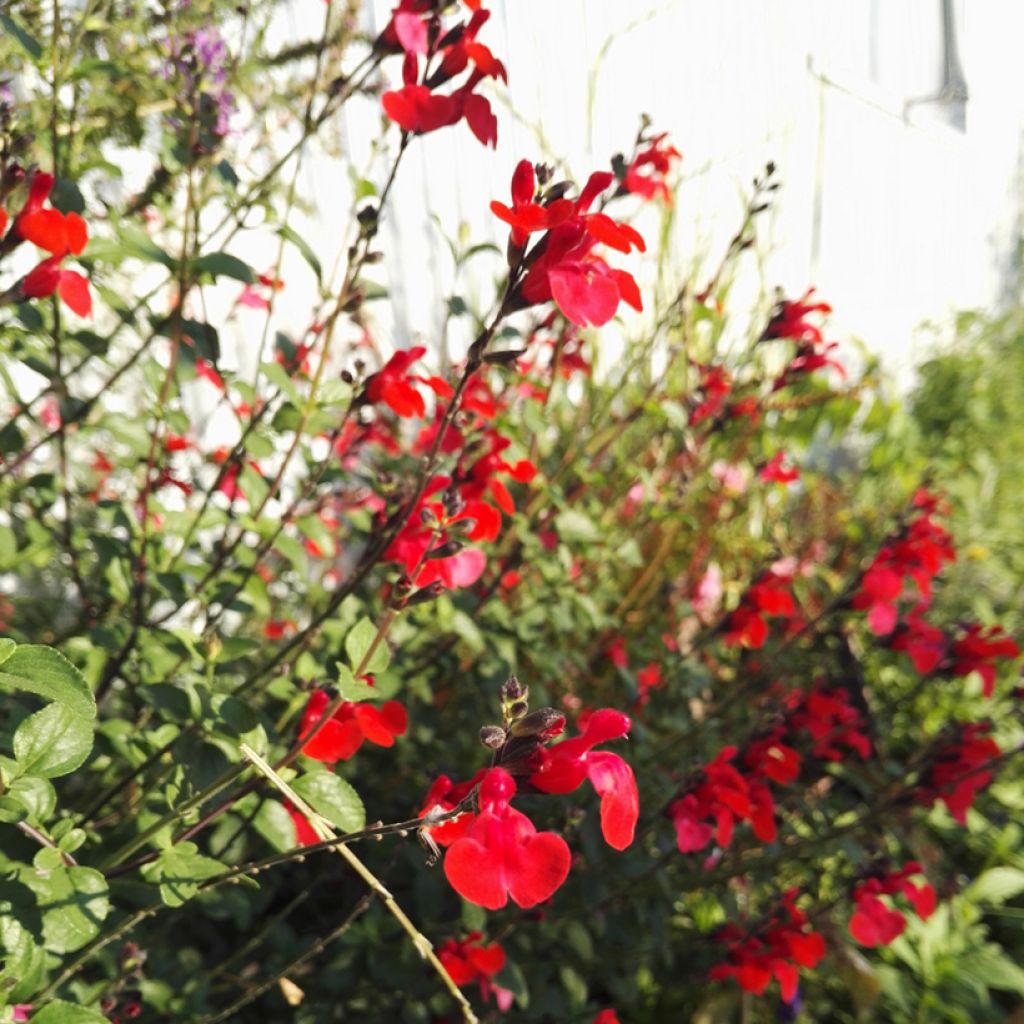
567	678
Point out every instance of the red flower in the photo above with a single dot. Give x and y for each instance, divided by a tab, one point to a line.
769	596
349	726
305	835
832	722
416	107
789	319
60	235
606	1017
773	759
565	765
527	216
562	265
776	949
874	923
961	768
978	649
658	157
502	855
927	645
773	471
715	386
394	385
648	678
278	629
726	797
443	796
918	553
469	960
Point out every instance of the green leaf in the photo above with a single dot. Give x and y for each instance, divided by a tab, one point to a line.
180	870
275	824
131	242
996	885
358	643
354	689
333	798
28	44
37	796
52	742
46	672
291	235
7	648
574	526
74	903
223	264
59	1012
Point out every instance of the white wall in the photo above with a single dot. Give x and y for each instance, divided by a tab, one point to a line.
897	215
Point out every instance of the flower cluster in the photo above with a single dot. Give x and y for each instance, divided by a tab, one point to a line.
562	266
961	766
645	176
395	387
494	853
349	727
789	321
468	960
776	949
875	923
768	597
61	235
931	649
917	553
820	724
415	30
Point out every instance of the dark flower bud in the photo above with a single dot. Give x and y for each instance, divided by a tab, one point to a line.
504	358
544	723
452	547
492	736
434	591
518	709
512	689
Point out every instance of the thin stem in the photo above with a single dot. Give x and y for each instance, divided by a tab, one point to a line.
324	830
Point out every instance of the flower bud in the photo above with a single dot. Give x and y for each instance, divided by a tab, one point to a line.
492	736
452	547
512	690
544	723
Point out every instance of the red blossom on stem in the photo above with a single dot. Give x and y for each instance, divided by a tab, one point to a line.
395	386
562	265
444	796
502	855
416	107
350	725
875	923
961	768
777	949
564	767
59	234
978	650
468	960
768	597
646	173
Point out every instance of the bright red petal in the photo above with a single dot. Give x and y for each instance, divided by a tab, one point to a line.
74	290
613	780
